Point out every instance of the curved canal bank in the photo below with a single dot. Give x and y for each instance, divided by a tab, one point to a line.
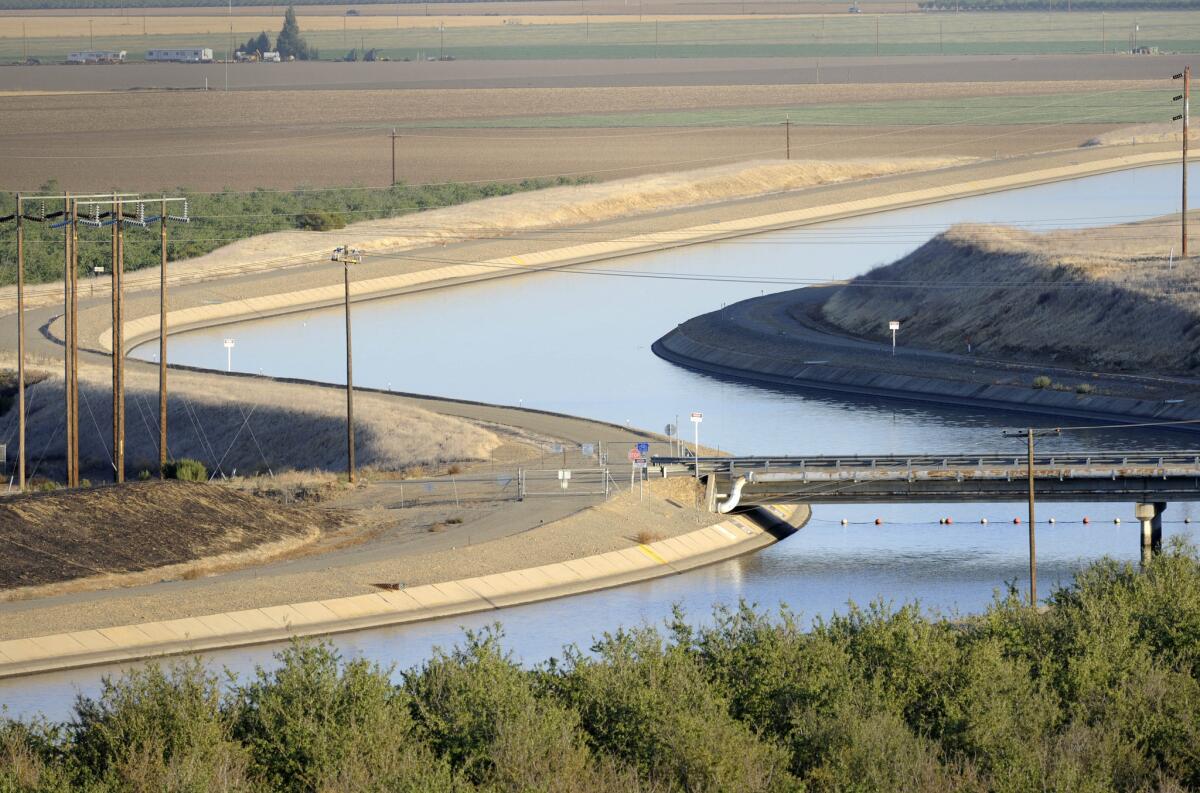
735	536
778	339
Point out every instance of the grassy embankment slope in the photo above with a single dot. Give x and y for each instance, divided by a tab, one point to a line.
248	425
1110	298
505	36
1098	693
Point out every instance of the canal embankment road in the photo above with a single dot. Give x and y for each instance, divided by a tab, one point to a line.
780	339
731	537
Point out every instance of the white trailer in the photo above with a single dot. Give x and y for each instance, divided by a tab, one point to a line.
96	56
183	55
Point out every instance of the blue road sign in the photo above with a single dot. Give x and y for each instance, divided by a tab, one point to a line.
643	447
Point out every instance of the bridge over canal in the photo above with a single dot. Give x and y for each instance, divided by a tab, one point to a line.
1149	479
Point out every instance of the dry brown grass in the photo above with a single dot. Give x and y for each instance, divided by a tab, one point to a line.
1106	299
646	536
98	538
247	425
1142	134
557	207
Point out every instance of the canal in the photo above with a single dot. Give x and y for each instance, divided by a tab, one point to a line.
578	341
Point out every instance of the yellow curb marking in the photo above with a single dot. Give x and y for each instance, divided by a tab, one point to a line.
646	549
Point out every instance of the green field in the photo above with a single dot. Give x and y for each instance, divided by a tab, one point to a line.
828	36
1111	107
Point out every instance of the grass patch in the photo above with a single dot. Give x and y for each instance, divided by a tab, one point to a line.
221	218
1123	107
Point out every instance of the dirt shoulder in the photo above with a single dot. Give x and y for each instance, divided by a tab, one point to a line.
395	559
120	535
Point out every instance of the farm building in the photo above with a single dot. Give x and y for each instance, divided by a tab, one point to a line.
96	56
185	55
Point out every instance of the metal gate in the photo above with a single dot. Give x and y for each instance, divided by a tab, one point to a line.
565	482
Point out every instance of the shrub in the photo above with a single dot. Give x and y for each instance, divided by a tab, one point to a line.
1084	388
315	724
1041	381
143	475
318	220
186	470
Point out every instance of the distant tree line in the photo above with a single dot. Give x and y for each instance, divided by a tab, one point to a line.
1100	692
131	4
221	218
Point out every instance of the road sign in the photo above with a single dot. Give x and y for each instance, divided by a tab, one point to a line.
642	448
634	454
894	325
669	431
697	417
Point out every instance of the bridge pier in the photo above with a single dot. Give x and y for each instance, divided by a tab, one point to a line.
1150	514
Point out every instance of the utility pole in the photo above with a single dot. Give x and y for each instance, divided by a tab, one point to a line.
787	125
347	256
68	324
20	342
394	136
1029	435
162	340
73	341
1032	528
1185	97
118	339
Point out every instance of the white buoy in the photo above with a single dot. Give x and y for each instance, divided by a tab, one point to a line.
983	521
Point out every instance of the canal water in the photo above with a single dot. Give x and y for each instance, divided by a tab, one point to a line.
578	341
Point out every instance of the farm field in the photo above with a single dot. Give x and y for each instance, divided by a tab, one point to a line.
49	38
213	141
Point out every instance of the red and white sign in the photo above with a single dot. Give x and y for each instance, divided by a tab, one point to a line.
634	455
697	417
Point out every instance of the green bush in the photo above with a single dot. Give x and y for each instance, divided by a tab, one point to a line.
187	470
1084	388
1098	692
320	221
1042	381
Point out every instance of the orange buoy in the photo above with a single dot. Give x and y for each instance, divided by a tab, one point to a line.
1016	521
1086	520
878	521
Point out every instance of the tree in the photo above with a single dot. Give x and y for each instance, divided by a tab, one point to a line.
290	43
257	45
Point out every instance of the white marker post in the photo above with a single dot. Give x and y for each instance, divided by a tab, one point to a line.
697	417
894	326
229	355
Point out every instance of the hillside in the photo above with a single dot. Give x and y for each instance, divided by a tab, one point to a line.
96	537
1109	298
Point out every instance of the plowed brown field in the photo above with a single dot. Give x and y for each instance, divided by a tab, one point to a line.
284	139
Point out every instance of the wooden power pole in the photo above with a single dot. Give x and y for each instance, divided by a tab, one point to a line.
20	343
1032	529
68	323
1185	97
73	416
348	256
394	136
162	341
118	337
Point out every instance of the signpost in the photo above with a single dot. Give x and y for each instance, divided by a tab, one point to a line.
894	326
697	417
229	355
